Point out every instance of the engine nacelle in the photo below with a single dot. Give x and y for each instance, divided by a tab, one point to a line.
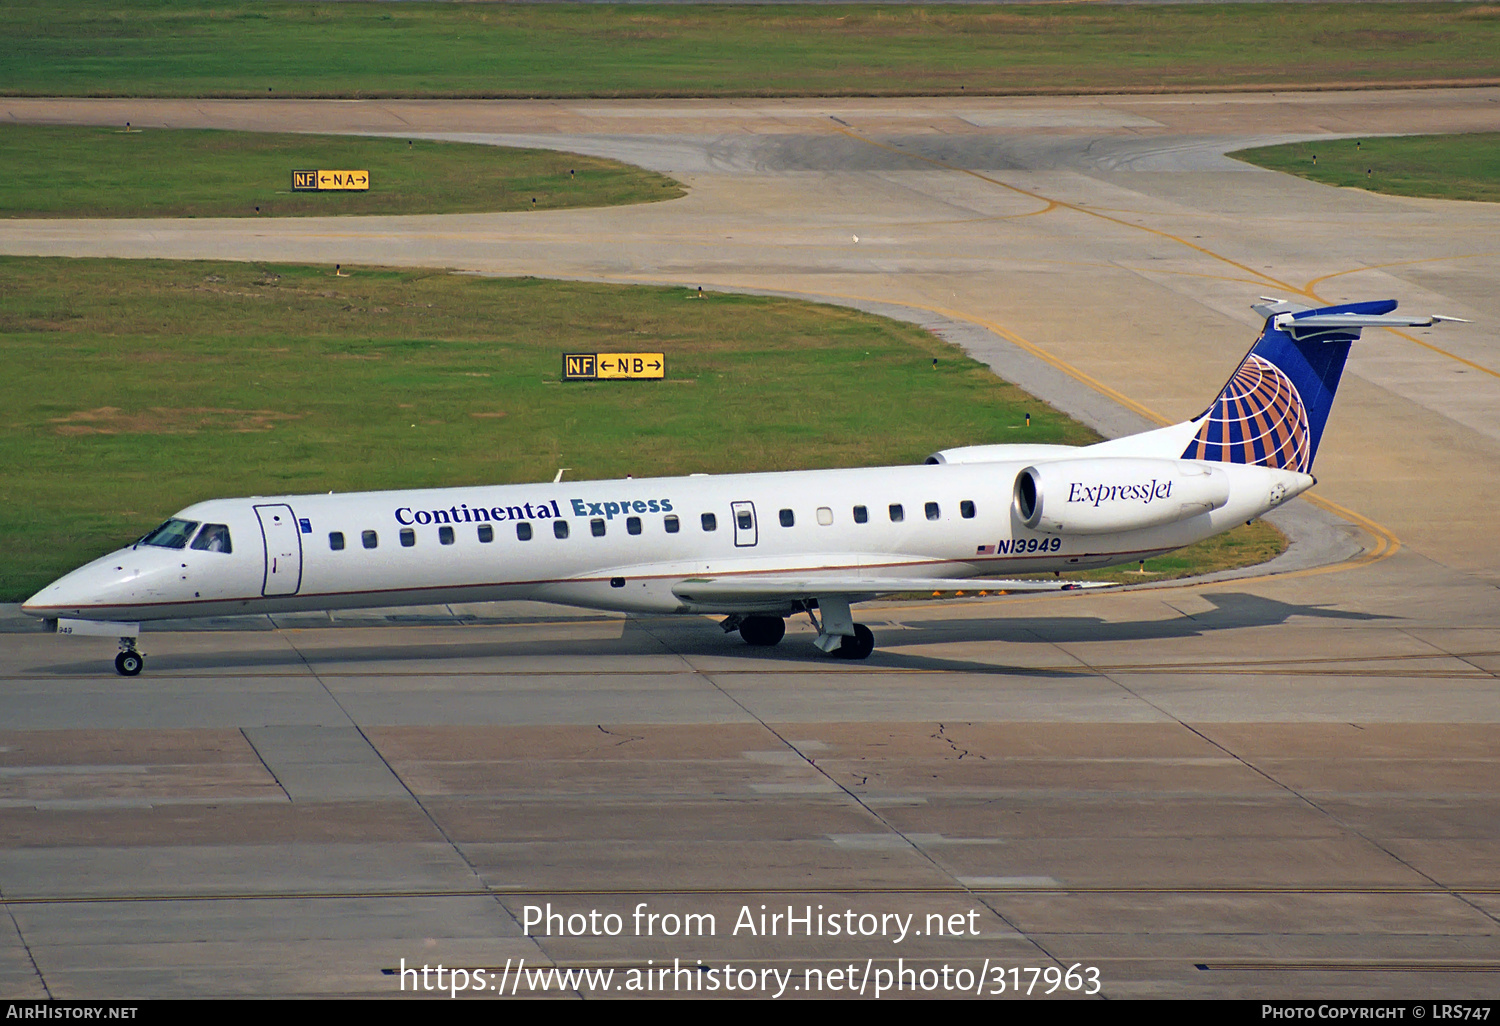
1105	495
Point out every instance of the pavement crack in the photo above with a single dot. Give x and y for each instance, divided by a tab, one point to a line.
265	764
625	739
30	955
942	736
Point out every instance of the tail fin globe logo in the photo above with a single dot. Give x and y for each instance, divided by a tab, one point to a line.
1258	419
1273	411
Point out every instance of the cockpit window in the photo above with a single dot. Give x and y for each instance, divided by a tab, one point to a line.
215	538
174	534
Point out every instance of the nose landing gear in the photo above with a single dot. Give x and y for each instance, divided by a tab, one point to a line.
129	663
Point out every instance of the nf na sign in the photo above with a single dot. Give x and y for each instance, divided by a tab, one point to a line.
330	181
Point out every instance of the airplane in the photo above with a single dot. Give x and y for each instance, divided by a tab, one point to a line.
754	548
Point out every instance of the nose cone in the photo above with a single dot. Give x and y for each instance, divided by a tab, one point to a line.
83	592
66	596
35	606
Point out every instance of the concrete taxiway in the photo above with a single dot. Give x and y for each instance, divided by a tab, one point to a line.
1278	785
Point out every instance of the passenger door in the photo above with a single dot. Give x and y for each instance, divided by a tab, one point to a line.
283	550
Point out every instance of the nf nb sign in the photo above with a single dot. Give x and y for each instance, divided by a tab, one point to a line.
330	181
605	366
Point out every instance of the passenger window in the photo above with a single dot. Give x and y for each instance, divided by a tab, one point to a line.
486	533
710	522
369	538
745	520
932	511
597	526
559	528
336	540
408	537
897	513
445	535
967	509
825	516
633	525
787	518
214	538
861	515
523	532
671	525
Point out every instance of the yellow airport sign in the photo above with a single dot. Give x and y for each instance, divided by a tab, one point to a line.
613	366
330	181
632	365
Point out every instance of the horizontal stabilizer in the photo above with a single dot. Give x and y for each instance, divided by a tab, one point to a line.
1293	323
793	588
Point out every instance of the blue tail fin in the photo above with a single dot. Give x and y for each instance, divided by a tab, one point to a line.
1271	413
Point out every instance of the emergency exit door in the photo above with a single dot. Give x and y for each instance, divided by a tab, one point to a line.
745	532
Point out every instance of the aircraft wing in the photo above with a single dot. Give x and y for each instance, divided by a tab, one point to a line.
802	586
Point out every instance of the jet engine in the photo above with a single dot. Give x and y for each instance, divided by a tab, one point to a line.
1106	495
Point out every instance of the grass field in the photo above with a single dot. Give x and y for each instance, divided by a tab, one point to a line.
1460	167
269	48
1244	546
134	388
56	171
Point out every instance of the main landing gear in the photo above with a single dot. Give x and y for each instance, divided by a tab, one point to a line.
764	631
857	647
129	663
838	634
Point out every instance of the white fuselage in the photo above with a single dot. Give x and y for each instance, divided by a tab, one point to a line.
957	520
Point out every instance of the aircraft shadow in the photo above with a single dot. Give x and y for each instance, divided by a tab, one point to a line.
658	636
1232	611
